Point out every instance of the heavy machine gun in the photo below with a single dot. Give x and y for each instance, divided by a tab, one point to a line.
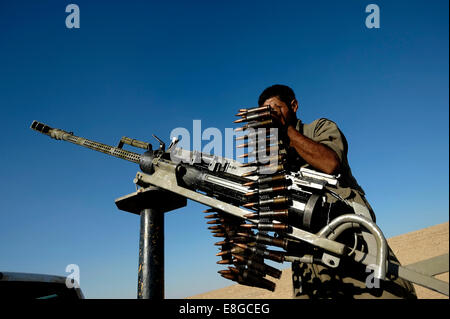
253	206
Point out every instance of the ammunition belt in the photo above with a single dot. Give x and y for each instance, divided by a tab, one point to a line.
244	246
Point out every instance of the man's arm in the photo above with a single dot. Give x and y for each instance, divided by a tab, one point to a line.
317	155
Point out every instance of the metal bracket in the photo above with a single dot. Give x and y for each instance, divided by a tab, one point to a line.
162	145
330	261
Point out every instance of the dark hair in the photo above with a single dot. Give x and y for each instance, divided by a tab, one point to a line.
283	92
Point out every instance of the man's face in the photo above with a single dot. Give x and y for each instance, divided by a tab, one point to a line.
279	107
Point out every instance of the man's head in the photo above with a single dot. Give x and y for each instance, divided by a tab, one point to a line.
281	98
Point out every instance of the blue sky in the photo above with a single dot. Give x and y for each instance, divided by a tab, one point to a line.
138	68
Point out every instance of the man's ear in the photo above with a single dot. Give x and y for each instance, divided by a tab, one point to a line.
294	105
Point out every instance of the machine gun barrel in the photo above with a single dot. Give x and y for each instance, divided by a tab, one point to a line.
59	134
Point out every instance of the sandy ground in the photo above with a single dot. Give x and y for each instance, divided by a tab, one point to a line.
409	248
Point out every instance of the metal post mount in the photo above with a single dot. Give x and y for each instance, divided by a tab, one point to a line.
150	204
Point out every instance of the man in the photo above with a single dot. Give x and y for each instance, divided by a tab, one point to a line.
322	146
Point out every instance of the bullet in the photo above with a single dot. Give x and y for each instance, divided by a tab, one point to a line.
254	163
240	239
225	234
216	221
245	145
258	124
234	270
250	144
270	169
211	210
280	200
223	242
215	227
273	227
262	191
266	269
280	159
267	180
244	155
264	170
212	216
246	235
222	253
217	231
282	213
229	276
267	227
251	194
262	146
255	125
219	235
225	272
267	253
253	117
272	179
260	133
225	261
266	239
255	109
261	282
226	252
234	250
260	152
273	189
252	173
268	141
241	271
243	276
252	183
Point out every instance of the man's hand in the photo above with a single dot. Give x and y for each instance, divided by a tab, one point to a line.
278	117
282	116
317	155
